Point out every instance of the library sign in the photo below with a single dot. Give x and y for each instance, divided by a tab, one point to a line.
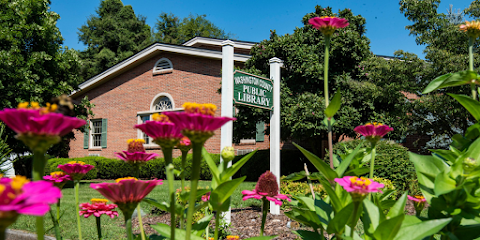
252	90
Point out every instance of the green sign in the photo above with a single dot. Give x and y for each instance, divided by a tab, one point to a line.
252	90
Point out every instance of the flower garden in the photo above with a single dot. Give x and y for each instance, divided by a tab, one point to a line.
354	205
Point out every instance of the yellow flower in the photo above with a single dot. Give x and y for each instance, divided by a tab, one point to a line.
471	28
125	178
98	200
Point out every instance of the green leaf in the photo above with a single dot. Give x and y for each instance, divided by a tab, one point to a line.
305	217
325	121
335	201
334	105
444	184
164	206
180	234
321	166
473	151
235	167
213	167
201	224
337	224
472	106
371	217
307	235
388	229
414	229
451	80
223	191
345	163
399	207
295	176
427	164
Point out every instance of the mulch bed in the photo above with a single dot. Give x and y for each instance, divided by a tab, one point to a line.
246	223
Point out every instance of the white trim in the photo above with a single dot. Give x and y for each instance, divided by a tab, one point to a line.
90	135
217	42
163	71
159	111
163	94
153	49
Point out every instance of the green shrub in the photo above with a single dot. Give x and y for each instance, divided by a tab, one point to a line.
299	188
291	161
393	161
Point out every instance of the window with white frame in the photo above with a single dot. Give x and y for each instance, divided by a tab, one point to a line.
96	133
162	66
145	136
163	103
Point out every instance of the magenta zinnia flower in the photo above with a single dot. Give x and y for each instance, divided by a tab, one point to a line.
198	121
76	169
126	190
418	203
58	178
373	131
136	153
267	188
206	197
36	124
417	198
328	25
163	132
20	196
97	208
184	145
359	187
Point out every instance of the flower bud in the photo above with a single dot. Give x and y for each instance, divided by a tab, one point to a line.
469	164
228	154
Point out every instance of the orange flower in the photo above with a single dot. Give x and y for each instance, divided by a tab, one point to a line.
471	28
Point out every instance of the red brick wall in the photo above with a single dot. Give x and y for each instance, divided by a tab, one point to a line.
193	79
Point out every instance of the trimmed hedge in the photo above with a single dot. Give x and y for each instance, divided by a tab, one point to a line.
291	161
108	168
393	159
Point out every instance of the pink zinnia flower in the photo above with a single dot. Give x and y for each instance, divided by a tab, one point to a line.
38	121
206	197
97	208
58	178
136	153
373	131
76	169
163	132
184	145
267	188
20	196
328	25
126	190
359	187
417	198
198	121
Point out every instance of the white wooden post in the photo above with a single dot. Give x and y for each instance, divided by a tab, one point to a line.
275	65
227	102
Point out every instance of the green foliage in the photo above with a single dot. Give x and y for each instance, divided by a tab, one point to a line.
54	162
4	150
290	160
300	188
171	30
33	64
111	36
391	158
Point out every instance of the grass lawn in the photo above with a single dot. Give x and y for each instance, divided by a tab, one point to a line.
111	228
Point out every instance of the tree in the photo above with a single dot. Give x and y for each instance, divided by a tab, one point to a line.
363	99
446	48
171	30
113	35
33	65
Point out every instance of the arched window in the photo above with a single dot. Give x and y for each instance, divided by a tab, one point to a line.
161	102
162	66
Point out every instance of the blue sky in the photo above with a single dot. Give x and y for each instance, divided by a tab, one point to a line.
251	20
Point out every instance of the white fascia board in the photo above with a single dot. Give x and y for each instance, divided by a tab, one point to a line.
217	42
151	50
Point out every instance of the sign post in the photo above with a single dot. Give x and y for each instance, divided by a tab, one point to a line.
275	65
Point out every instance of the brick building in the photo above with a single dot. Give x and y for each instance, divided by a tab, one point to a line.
159	78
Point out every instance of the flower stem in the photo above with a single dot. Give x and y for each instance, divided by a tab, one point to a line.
171	191
264	215
55	225
139	210
99	228
217	224
356	204
470	66
128	225
37	173
77	208
58	210
372	160
325	91
184	162
196	160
